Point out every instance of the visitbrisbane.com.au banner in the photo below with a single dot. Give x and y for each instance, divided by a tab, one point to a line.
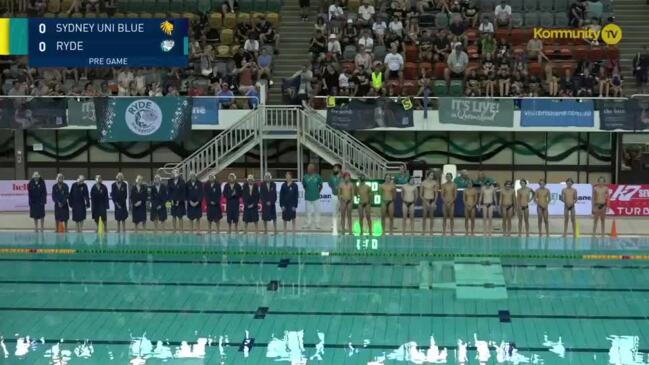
557	113
479	112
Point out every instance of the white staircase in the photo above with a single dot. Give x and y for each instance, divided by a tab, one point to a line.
284	122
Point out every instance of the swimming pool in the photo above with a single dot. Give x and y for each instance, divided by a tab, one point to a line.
301	298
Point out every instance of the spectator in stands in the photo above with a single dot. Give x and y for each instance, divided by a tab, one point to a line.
252	45
330	80
365	13
350	34
379	28
305	76
253	96
457	62
225	97
425	6
377	78
458	29
396	27
318	46
364	83
366	41
394	65
305	8
333	47
503	13
487	45
504	79
264	62
470	13
641	68
343	82
535	50
363	59
441	46
425	83
267	34
551	80
426	47
594	9
503	51
36	8
488	76
336	11
486	26
586	84
615	84
93	6
75	7
567	84
124	78
320	25
472	86
577	13
241	32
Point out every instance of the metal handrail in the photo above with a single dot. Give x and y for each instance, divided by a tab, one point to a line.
208	156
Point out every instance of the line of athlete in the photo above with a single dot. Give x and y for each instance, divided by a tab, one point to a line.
481	194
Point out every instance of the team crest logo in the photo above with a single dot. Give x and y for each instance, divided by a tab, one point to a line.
167	27
167	45
143	117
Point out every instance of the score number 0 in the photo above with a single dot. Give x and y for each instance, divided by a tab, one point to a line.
41	29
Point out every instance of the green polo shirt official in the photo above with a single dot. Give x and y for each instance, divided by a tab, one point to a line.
462	182
401	179
484	182
312	186
334	181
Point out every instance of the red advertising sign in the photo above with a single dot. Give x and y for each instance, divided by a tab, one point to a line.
629	200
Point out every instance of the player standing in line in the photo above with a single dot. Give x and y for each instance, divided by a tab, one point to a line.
346	193
60	197
232	194
334	181
79	201
37	197
524	196
388	192
250	203
429	190
268	196
288	199
194	195
507	202
488	201
119	194
449	194
470	198
569	199
158	199
213	197
138	203
99	202
409	196
600	205
542	199
364	192
176	190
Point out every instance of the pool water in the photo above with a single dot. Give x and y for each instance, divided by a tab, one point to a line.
152	299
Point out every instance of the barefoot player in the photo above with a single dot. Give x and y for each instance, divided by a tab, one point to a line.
346	200
470	198
364	192
429	189
388	191
507	199
569	199
542	199
449	194
600	205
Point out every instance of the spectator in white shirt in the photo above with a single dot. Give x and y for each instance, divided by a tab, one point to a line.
343	82
486	26
365	41
336	11
394	65
503	14
252	46
379	28
365	13
124	78
333	47
456	64
396	27
363	58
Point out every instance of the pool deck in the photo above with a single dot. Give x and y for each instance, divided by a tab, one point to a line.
627	226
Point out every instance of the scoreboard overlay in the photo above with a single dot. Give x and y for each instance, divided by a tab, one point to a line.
97	42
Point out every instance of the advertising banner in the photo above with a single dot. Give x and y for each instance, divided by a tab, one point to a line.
480	112
81	112
628	200
557	113
613	115
33	113
205	111
368	114
138	119
639	111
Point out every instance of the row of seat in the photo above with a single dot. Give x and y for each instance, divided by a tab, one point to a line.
527	19
199	5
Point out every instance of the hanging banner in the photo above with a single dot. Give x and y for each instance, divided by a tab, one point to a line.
81	112
613	115
205	111
33	113
143	119
639	113
480	112
371	113
557	113
628	200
